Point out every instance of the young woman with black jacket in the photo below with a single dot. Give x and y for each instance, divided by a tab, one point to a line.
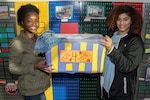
125	51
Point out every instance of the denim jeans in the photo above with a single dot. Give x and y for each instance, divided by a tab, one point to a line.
40	96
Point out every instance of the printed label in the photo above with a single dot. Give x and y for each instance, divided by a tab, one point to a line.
76	56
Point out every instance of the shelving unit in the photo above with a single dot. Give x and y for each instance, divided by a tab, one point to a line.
66	86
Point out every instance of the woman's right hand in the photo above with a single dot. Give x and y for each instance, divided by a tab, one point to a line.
41	65
107	42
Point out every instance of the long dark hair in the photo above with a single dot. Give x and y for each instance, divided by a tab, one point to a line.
136	18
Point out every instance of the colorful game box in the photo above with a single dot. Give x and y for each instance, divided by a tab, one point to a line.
78	53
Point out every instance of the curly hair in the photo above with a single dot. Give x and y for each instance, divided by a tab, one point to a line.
23	10
136	18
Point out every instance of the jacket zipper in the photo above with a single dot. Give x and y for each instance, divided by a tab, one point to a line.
125	85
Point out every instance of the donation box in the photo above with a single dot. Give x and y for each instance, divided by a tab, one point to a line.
77	53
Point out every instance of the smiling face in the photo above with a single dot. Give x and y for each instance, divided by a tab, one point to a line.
123	23
31	22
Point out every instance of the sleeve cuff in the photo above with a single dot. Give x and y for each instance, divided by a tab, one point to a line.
111	50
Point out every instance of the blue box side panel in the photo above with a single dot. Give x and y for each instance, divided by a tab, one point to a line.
65	87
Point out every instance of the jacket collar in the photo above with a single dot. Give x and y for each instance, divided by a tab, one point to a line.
24	36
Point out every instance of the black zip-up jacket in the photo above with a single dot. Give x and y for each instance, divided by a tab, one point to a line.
127	59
